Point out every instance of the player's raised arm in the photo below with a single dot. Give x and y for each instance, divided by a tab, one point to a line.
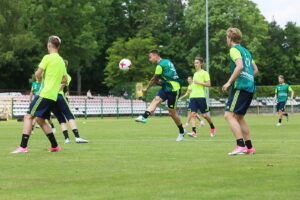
186	94
255	68
151	82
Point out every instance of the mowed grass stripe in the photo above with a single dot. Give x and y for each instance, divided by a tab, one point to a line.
127	160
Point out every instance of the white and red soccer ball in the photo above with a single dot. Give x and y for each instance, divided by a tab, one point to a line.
125	64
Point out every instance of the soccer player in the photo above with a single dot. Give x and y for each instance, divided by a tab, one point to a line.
281	96
62	112
51	71
188	92
170	90
35	90
243	70
201	81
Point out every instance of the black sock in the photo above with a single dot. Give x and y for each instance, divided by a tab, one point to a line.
24	140
52	125
240	142
52	139
279	121
66	134
181	130
76	133
285	114
212	126
194	129
248	144
32	127
146	114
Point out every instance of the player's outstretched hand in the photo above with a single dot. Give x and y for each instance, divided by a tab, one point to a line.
225	87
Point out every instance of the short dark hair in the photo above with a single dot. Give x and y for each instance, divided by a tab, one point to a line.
155	51
189	77
55	41
200	59
281	76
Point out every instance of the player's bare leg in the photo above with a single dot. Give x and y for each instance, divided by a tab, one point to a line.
52	125
199	118
280	114
244	126
33	125
246	134
234	124
193	120
153	105
212	127
27	126
64	129
176	119
48	132
151	108
233	121
74	128
189	116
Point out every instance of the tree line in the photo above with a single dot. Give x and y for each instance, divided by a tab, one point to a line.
97	34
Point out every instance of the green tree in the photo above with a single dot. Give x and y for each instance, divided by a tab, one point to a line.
291	47
223	14
164	21
135	49
274	56
18	45
281	56
117	26
79	23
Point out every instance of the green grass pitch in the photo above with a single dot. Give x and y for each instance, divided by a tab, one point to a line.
126	160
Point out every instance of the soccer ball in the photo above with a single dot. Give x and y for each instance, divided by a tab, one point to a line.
125	64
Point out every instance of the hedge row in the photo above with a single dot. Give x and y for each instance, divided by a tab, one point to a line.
216	92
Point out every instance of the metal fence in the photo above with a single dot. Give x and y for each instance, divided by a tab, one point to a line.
81	106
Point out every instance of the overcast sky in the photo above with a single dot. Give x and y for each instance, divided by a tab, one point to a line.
282	10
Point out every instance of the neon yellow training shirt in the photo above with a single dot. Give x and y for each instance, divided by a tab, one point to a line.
54	71
235	54
175	85
190	87
199	91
